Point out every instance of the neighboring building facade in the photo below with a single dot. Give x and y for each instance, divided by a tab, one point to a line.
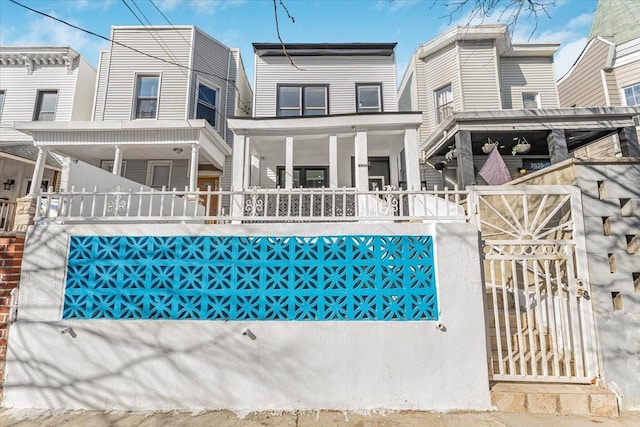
607	72
474	87
159	117
43	84
330	120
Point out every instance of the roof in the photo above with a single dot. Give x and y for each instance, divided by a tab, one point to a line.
19	55
324	49
616	20
27	152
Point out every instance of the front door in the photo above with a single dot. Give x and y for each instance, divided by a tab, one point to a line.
209	200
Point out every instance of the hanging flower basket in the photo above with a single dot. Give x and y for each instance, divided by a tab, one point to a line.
522	147
489	146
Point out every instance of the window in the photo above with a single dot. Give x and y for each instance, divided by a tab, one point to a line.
207	104
108	166
632	95
302	101
369	97
1	100
159	174
530	100
46	105
444	103
307	177
147	97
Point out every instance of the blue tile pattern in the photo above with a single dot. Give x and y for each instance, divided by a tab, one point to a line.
388	278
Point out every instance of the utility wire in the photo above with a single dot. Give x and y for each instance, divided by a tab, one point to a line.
186	67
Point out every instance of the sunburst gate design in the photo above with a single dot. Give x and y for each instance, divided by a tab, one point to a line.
526	216
319	278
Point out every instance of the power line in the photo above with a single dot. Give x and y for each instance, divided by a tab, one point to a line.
186	67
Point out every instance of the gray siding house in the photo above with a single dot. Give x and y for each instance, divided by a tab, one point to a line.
162	98
478	91
607	72
43	84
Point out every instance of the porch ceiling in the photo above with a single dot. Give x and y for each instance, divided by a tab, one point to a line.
148	139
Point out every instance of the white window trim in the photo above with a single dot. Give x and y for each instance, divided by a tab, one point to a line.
37	110
217	88
301	99
109	163
622	95
151	164
437	106
4	99
134	97
537	96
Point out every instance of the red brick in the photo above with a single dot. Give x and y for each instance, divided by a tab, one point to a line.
11	262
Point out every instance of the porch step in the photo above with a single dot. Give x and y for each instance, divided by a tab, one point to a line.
556	399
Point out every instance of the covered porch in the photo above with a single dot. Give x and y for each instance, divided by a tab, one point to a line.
362	152
459	146
164	153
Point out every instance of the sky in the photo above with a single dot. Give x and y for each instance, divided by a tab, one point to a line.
238	23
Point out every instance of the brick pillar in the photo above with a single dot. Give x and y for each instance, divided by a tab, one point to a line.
25	212
11	249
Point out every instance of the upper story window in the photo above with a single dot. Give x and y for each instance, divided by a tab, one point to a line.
369	97
207	107
46	105
632	95
147	89
1	100
530	100
444	103
306	100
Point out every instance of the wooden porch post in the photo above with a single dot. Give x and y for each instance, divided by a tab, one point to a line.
557	143
333	161
193	170
117	161
629	142
38	171
288	164
411	159
466	174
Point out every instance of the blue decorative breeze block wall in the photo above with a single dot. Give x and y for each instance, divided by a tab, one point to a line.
251	278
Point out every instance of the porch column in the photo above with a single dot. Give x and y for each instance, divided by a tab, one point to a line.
629	142
117	161
193	170
237	171
557	143
411	159
333	161
362	171
247	163
38	171
288	162
465	171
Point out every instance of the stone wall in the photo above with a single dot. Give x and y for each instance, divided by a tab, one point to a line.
11	248
611	208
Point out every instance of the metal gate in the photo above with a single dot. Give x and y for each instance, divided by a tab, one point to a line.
539	314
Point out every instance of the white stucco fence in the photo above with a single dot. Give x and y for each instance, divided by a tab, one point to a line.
286	365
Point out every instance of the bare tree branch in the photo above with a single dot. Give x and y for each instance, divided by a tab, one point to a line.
275	14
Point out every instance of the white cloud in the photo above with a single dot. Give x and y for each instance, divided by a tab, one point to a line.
92	4
208	7
567	55
581	20
394	5
168	5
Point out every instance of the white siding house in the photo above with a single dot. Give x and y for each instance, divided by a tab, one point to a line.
478	91
329	121
39	83
161	102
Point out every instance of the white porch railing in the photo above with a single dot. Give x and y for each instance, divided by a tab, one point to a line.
7	214
251	205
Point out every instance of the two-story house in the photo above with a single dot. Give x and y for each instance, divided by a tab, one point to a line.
329	121
44	85
607	72
159	117
478	91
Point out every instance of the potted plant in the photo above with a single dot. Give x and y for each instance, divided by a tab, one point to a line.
489	146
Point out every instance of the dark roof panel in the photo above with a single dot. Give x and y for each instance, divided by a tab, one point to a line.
324	49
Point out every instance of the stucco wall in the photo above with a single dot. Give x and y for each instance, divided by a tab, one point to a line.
352	365
611	208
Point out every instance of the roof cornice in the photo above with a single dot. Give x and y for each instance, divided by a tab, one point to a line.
30	56
324	49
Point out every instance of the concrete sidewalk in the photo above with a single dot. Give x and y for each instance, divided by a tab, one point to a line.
27	418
